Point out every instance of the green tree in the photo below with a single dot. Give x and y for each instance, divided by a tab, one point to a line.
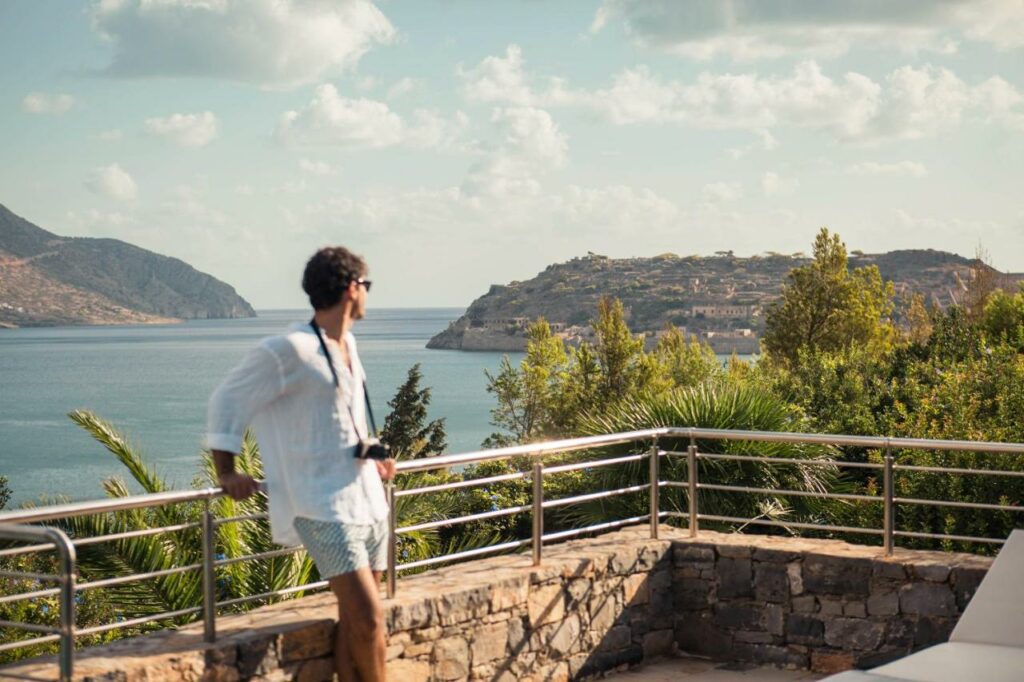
686	362
5	492
827	307
527	395
406	428
1003	318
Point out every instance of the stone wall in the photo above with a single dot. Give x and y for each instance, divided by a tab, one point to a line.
824	605
595	605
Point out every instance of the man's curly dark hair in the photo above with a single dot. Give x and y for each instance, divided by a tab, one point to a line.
328	274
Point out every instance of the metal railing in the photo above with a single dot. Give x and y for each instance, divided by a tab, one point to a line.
20	525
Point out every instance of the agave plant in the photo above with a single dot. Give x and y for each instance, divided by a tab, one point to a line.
720	407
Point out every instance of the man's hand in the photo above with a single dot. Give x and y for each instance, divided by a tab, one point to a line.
386	468
238	486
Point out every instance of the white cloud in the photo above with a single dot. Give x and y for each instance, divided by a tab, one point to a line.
911	102
766	142
315	167
45	103
773	185
268	42
333	120
758	29
721	192
403	87
244	189
113	135
529	144
187	130
911	169
112	181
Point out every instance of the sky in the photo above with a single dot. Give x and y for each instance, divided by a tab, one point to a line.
458	143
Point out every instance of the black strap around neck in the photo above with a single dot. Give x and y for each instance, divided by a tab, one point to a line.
337	381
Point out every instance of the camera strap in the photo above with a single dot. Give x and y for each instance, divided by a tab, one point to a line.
337	381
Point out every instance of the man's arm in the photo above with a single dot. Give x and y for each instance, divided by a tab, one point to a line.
237	485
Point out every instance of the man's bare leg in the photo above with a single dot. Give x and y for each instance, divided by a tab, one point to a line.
360	649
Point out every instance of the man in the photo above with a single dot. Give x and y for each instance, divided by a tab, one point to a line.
303	395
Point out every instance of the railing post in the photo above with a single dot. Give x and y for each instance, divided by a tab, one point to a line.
889	516
538	512
691	465
68	591
209	576
392	541
655	503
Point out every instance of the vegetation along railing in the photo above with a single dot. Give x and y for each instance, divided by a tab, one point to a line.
691	501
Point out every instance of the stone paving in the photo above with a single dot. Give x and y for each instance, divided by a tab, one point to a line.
702	670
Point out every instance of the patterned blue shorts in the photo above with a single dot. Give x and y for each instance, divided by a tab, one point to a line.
338	548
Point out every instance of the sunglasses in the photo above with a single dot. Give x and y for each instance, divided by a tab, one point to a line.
365	283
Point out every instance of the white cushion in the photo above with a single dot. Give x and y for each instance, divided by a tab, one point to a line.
995	615
958	662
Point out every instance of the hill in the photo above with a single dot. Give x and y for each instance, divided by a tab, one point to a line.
720	298
46	279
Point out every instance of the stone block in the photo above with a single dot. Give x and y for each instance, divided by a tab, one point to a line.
935	573
928	631
830	606
619	637
409	670
546	605
489	643
883	604
771	655
965	580
837	575
773	618
258	656
735	551
451	659
855	609
509	594
888	569
734	578
701	635
753	637
418	614
801	629
658	643
795	573
462	605
927	599
777	556
517	636
563	638
313	641
693	593
738	617
804	604
635	589
316	670
771	582
685	554
854	633
659	580
831	662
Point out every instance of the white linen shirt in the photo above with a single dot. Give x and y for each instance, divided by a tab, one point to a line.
284	390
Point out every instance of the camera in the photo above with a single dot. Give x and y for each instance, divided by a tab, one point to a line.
372	448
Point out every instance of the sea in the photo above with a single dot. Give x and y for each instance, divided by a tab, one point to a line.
152	383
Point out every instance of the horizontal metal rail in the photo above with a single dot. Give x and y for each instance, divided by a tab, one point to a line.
561	535
562	468
576	499
790	493
958	505
246	517
789	524
120	625
22	596
943	536
428	525
270	554
30	627
29	575
22	643
480	551
785	460
310	587
954	470
121	580
455	485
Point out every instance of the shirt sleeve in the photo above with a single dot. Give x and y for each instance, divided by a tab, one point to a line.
254	383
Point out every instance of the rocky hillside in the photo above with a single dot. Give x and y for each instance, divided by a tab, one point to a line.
721	298
46	279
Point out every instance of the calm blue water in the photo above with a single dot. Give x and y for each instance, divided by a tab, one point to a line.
152	382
